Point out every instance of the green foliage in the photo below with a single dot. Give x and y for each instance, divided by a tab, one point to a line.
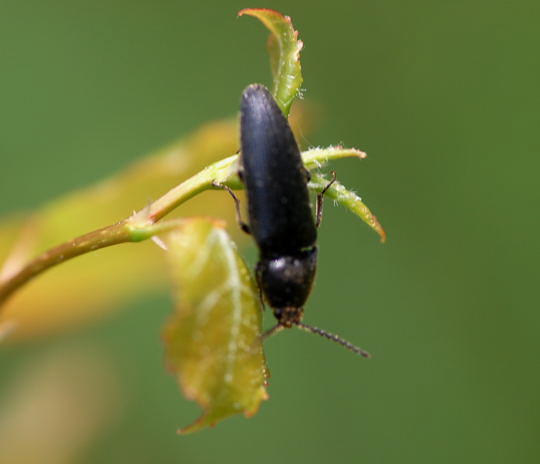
284	48
349	200
213	339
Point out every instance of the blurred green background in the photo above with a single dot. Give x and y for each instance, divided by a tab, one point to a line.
442	95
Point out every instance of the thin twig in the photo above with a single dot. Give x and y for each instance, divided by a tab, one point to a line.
108	236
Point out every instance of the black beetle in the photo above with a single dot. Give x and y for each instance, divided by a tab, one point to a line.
280	216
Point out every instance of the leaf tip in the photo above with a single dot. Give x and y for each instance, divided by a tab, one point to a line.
382	234
256	11
197	425
379	229
355	151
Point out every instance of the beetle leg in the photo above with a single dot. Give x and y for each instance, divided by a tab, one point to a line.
258	279
243	225
240	167
320	199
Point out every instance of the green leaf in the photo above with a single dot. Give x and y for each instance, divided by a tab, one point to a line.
213	339
317	157
284	48
349	200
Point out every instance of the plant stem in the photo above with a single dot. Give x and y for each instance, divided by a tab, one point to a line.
140	226
108	236
223	171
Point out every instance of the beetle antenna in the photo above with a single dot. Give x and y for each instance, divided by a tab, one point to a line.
274	330
334	338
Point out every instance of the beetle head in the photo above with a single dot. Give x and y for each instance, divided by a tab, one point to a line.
286	283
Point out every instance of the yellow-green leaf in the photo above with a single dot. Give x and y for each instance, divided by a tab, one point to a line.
213	339
284	48
350	200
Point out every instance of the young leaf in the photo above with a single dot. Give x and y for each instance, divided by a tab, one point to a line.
284	48
213	339
318	157
350	200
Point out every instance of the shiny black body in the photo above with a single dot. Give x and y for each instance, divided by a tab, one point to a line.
280	216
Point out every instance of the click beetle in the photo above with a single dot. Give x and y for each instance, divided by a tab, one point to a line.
280	216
